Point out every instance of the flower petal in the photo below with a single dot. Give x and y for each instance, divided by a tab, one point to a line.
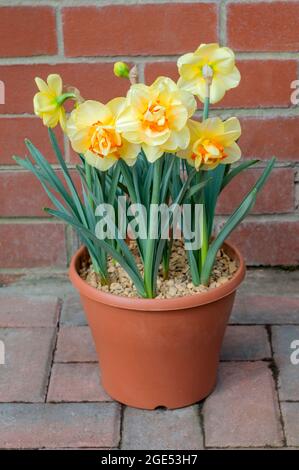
177	140
152	153
41	85
217	89
102	164
139	96
177	117
128	121
233	153
55	83
116	106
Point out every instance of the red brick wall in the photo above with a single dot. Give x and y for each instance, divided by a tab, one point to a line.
82	42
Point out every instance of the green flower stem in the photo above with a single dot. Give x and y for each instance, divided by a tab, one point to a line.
65	96
205	240
150	243
206	108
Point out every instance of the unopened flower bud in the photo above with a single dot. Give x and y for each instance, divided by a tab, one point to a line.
121	70
207	73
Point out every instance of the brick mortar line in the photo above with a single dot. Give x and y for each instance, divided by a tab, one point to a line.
202	422
31	220
99	3
254	112
57	59
60	305
222	23
59	31
121	425
275	374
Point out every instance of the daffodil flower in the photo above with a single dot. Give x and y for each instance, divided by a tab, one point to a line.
91	130
48	102
221	64
212	142
155	116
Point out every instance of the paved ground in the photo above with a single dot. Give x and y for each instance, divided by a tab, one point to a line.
51	397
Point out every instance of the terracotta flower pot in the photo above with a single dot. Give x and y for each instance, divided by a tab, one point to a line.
158	352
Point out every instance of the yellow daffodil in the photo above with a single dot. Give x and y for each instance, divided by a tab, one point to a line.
212	142
91	130
48	102
221	64
155	116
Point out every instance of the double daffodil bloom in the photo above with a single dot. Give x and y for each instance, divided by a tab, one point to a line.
221	63
91	130
48	102
212	142
155	116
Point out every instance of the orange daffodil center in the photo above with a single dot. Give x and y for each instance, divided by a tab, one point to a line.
156	116
104	140
212	142
91	130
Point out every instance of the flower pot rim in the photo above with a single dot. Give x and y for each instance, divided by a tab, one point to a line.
175	303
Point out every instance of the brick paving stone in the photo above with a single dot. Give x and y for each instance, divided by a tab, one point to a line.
288	377
290	414
162	429
75	344
245	343
243	409
28	356
75	383
59	425
28	310
72	312
262	309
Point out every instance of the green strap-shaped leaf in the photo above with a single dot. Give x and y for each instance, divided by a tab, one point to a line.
233	221
134	275
235	171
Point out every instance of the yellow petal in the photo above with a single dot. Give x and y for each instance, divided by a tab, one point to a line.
116	106
152	153
177	117
205	51
91	112
217	89
177	140
128	121
139	96
41	84
232	79
102	164
43	104
196	86
232	131
188	101
233	153
55	83
223	60
129	152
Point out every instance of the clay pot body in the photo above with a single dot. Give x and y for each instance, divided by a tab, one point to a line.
158	352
